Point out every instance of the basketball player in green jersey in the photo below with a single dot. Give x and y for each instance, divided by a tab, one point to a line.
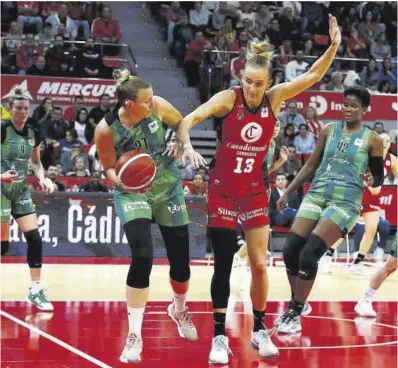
340	160
19	143
364	306
137	123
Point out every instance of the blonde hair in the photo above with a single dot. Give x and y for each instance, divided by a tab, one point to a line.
127	85
260	54
17	95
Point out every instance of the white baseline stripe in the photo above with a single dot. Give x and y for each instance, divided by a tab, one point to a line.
55	340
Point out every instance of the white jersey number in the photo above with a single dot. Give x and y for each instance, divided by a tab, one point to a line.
244	165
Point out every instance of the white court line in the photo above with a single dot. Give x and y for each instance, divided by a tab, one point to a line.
55	340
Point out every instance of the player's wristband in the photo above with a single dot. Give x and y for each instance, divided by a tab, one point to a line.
187	145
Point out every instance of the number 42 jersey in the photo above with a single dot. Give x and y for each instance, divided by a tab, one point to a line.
243	143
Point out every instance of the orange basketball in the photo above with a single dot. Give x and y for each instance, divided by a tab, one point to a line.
135	170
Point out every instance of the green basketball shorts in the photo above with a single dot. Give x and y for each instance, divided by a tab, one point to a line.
15	201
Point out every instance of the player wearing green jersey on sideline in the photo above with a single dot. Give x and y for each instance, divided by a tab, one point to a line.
138	122
342	155
19	143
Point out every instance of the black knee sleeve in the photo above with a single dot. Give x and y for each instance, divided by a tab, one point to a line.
5	244
138	233
35	248
224	246
309	257
291	253
176	240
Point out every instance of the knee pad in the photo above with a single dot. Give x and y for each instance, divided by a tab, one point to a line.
35	248
309	257
138	233
176	240
5	244
224	246
291	253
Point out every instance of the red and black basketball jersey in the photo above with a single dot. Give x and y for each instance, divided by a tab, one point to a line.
243	143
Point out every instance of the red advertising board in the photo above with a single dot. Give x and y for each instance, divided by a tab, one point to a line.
61	90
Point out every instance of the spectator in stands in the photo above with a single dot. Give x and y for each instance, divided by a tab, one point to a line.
285	52
52	174
292	165
57	126
202	171
285	218
46	37
389	16
290	115
66	158
80	169
313	13
80	124
79	12
27	54
245	13
98	112
193	58
369	75
39	68
62	18
263	18
336	83
199	16
369	29
7	60
274	33
172	12
278	76
198	186
56	55
106	28
304	141
14	38
291	25
385	87
288	135
29	15
379	127
388	72
309	51
228	30
42	115
296	67
242	41
219	15
94	185
237	65
71	111
356	45
250	28
59	169
380	48
312	119
183	34
90	60
220	44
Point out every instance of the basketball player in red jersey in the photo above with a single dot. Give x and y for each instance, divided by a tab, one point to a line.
236	181
370	211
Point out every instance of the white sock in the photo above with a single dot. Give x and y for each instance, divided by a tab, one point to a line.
36	286
369	294
179	302
135	316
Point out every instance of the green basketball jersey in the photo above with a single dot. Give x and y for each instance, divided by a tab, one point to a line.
270	155
345	158
149	136
16	148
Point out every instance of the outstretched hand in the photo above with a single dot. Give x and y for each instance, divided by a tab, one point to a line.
334	31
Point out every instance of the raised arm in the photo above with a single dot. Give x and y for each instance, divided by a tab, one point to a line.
285	91
106	151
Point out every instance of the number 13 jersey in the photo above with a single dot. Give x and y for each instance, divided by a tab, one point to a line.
243	143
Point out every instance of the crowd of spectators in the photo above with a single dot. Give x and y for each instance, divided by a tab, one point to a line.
215	34
55	38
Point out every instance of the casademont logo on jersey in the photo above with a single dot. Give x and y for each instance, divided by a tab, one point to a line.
251	132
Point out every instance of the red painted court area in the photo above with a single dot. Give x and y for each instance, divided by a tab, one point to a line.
90	334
